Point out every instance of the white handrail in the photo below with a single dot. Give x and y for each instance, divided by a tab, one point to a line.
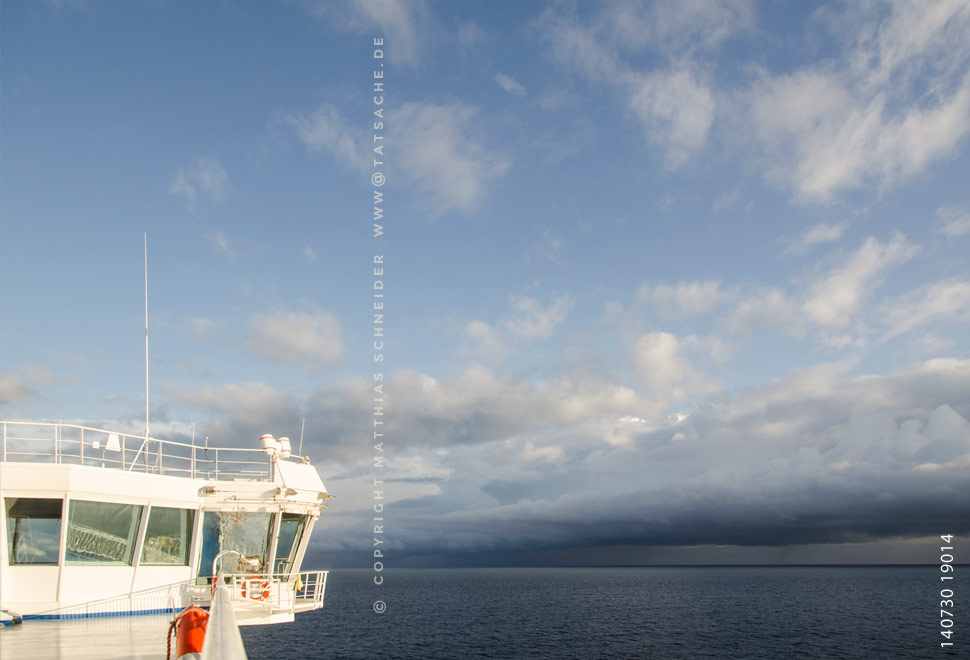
64	443
283	595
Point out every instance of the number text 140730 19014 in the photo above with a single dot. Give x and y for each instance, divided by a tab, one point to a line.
946	593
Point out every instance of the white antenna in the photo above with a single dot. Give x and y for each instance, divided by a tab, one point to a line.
302	426
146	335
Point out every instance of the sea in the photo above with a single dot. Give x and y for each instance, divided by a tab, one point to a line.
742	612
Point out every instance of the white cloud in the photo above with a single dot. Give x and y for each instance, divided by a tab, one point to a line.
530	321
440	158
239	410
891	100
39	373
326	130
250	395
672	101
221	242
942	304
308	339
534	320
953	221
834	302
886	50
509	84
309	254
549	247
530	453
897	101
487	342
66	357
470	35
727	200
719	349
581	48
666	371
205	177
32	382
398	21
474	410
836	298
13	388
684	298
200	327
676	112
766	307
478	329
479	406
815	235
677	29
618	432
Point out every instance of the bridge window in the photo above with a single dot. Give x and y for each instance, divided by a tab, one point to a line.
291	531
101	532
33	530
168	537
246	532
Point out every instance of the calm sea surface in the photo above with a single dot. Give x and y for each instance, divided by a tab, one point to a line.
678	612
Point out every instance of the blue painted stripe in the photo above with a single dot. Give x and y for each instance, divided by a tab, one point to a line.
97	615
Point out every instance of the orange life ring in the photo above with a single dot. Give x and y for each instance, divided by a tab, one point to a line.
258	589
189	628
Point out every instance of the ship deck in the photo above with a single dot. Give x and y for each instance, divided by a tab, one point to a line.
123	638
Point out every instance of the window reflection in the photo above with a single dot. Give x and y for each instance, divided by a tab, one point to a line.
246	532
291	531
33	530
101	532
168	536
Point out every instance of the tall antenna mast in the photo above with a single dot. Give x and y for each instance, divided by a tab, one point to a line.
146	335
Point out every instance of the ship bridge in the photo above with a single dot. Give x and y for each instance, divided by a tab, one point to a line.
97	522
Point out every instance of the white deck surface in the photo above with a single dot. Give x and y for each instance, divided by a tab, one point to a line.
121	638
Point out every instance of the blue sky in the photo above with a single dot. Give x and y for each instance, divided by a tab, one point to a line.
652	268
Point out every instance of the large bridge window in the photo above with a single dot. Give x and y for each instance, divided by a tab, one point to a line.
291	531
168	536
101	532
246	532
33	530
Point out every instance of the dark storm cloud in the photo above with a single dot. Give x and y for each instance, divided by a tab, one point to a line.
853	507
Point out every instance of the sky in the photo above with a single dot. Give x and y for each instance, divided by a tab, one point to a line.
672	282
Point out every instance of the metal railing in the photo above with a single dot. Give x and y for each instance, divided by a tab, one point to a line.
279	592
284	592
53	442
155	600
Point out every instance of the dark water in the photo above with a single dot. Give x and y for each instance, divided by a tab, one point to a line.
677	612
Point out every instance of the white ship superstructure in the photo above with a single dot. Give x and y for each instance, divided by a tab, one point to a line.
98	523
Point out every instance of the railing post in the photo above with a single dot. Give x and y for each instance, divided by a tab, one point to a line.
192	467
82	446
